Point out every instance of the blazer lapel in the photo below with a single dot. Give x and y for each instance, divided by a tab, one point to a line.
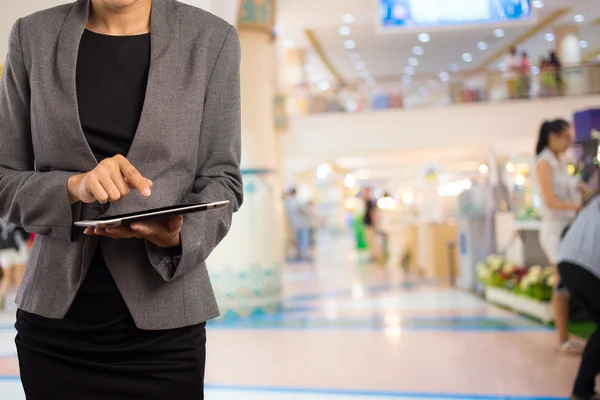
66	55
164	35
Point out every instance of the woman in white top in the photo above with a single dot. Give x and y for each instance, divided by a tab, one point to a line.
561	199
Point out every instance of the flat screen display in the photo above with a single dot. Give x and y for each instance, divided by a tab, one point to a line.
443	13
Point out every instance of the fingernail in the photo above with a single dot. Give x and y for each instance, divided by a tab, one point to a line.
146	192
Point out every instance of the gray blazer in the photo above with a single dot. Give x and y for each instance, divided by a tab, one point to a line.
187	143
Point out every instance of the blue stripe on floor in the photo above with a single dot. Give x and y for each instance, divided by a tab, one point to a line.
356	393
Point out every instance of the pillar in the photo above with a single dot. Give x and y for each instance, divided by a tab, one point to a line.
567	44
246	268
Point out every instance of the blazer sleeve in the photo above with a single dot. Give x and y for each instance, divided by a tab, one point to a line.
36	201
218	176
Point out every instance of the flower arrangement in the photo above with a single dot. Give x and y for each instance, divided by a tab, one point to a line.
534	282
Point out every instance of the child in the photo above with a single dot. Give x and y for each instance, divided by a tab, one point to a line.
13	257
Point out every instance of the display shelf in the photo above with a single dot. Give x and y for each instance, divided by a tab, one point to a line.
539	310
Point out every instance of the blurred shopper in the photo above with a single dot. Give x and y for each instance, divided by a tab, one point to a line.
561	199
511	76
97	98
579	266
548	79
524	81
300	221
370	222
13	258
557	69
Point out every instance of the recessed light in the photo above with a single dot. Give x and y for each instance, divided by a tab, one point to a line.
360	65
345	30
288	43
467	57
549	37
444	76
454	67
413	62
365	74
535	70
424	37
418	50
537	4
578	18
354	55
350	44
409	70
406	79
324	85
499	33
348	18
584	44
482	46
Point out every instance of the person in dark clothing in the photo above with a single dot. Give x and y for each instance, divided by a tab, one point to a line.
370	221
556	67
132	104
579	266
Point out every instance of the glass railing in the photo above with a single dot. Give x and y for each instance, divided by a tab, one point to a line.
446	89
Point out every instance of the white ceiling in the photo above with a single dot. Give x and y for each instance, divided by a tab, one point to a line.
386	55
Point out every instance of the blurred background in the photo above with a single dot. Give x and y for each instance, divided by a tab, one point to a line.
391	198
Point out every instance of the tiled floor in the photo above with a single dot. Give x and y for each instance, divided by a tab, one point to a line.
353	331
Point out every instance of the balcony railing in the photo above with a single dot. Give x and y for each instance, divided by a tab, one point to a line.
472	87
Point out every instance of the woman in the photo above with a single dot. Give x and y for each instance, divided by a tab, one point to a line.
561	199
579	267
556	67
132	104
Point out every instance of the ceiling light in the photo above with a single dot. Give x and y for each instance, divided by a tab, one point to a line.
467	57
549	37
365	74
409	70
418	50
535	70
499	33
348	18
483	169
444	76
354	55
350	180
510	167
413	61
324	170
360	65
350	44
324	85
579	18
406	79
455	67
482	46
584	44
538	3
424	37
345	30
288	43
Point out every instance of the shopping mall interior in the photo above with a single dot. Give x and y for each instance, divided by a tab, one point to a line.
389	243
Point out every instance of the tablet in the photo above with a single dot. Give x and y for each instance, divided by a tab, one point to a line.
149	215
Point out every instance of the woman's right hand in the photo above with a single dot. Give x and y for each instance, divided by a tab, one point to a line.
111	180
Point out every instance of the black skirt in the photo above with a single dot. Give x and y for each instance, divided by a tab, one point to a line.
97	353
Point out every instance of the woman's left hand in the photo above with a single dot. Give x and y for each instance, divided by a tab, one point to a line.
163	233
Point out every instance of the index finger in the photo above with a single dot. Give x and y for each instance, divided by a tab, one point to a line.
134	178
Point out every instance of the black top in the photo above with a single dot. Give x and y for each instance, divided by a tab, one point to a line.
369	207
112	72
